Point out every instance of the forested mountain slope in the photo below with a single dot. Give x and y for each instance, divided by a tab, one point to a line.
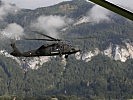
103	70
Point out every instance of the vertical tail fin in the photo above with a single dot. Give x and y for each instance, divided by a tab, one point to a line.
15	52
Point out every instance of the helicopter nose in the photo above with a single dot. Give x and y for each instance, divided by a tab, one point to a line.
13	53
76	49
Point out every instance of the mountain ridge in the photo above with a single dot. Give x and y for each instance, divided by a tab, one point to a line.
91	74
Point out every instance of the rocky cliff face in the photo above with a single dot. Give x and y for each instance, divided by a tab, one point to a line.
84	22
33	63
114	52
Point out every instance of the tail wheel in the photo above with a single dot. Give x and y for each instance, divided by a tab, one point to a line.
66	56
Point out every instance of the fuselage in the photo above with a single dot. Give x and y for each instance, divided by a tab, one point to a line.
50	50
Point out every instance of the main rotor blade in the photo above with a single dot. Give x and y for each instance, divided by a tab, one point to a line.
42	39
81	38
44	35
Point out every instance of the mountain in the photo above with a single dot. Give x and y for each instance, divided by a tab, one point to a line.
103	70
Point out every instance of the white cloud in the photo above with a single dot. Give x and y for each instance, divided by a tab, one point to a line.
51	24
95	15
32	4
7	8
12	31
98	14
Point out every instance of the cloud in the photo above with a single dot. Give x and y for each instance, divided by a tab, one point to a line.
6	9
95	15
51	24
98	14
12	31
32	4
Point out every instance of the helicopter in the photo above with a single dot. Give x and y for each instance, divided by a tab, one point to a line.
58	47
61	48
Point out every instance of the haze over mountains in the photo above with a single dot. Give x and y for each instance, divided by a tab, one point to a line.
105	63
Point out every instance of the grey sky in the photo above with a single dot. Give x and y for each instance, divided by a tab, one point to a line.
32	4
127	4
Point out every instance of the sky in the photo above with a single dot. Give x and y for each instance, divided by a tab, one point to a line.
127	4
32	4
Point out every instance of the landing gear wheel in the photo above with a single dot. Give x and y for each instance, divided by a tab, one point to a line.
66	56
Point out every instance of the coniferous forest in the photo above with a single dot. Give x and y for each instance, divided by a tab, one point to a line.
101	78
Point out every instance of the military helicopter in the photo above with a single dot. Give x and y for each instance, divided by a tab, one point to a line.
62	48
59	47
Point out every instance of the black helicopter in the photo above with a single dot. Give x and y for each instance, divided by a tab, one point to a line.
57	48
